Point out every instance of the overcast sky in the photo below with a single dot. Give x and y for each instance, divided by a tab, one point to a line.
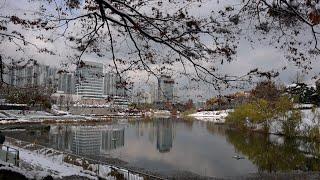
249	55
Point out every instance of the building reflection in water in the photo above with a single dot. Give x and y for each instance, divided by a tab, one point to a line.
87	140
164	134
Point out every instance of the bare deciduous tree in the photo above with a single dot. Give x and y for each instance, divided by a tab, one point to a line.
161	34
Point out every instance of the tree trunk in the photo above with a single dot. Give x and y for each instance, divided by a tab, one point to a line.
1	71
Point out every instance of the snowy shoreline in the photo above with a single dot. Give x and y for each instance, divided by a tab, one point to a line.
38	162
31	117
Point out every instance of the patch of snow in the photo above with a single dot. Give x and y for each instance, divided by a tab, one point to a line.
213	116
162	112
279	140
275	127
292	85
303	106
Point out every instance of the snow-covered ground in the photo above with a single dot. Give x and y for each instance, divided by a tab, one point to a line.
36	166
19	116
213	116
309	118
42	162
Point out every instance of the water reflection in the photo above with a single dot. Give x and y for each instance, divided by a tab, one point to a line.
168	145
164	134
159	129
276	154
86	140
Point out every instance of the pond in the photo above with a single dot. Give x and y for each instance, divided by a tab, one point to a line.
168	146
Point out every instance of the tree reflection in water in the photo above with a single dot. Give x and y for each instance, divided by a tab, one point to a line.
166	144
273	156
216	129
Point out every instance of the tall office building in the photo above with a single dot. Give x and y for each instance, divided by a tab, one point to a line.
66	83
89	80
165	89
112	85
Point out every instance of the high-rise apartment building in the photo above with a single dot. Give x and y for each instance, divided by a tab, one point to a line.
89	80
66	83
154	92
112	85
32	75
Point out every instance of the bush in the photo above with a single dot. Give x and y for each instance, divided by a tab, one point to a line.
290	124
266	105
267	90
263	112
282	106
314	133
289	117
30	96
258	112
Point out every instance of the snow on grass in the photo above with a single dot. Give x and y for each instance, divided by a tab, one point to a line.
53	165
39	163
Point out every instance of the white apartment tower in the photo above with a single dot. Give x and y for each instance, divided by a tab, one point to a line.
89	80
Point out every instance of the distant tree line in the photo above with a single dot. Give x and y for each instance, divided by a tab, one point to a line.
39	97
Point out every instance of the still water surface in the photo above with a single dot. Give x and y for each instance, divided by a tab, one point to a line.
167	146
